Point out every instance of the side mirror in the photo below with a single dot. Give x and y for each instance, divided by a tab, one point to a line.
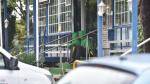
13	64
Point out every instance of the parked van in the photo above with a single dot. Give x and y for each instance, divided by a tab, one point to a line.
13	71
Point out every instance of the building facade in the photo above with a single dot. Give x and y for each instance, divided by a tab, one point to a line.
58	28
121	27
59	18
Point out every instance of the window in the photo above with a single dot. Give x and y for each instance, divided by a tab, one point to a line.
53	2
62	17
60	22
122	13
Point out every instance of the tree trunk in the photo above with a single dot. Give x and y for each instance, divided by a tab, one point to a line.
146	22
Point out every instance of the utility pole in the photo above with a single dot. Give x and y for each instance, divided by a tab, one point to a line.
6	23
27	23
36	30
101	8
134	26
1	37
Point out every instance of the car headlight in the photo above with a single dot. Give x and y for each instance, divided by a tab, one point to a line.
50	77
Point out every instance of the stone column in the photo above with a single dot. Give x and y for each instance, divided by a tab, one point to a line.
106	45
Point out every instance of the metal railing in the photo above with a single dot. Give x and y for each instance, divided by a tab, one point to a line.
139	45
68	41
59	45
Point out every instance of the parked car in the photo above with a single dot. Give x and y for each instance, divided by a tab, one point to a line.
132	69
13	71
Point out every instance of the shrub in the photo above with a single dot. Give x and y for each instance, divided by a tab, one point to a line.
27	58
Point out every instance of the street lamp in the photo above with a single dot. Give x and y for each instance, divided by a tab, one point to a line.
6	23
101	9
108	11
130	5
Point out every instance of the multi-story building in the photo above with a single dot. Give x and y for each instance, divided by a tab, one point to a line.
60	26
59	18
121	27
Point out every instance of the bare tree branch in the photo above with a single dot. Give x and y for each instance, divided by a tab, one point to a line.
17	6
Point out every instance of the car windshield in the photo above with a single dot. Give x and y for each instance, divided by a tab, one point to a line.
96	75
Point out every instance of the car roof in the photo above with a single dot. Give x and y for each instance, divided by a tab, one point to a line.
132	63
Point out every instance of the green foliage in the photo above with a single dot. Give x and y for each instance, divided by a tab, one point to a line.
27	58
59	70
65	65
91	10
19	28
11	30
18	4
140	35
18	40
55	71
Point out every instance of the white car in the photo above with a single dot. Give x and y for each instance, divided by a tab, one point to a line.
13	71
132	69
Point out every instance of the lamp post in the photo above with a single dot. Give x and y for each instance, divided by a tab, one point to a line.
36	30
6	23
1	37
27	24
134	26
5	15
101	8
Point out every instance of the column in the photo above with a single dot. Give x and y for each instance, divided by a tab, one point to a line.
134	26
36	30
1	37
83	15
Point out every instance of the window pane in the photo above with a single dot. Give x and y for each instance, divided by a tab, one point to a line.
121	12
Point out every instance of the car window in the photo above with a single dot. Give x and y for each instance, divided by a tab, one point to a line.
96	75
1	61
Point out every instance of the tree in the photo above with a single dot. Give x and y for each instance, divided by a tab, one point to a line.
18	6
145	15
91	10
